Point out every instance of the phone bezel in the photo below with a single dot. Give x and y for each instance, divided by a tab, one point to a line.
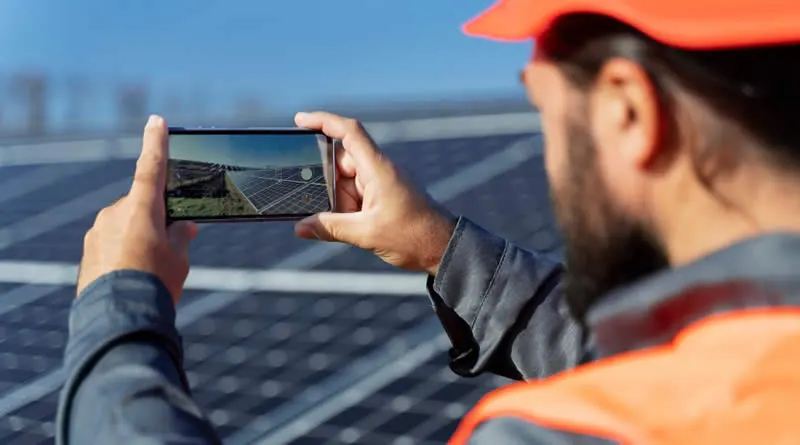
256	130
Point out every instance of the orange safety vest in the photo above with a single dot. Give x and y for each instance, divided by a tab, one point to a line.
732	378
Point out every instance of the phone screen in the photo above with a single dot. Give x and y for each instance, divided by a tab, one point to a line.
249	174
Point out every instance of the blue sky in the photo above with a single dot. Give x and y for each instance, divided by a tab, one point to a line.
247	150
291	54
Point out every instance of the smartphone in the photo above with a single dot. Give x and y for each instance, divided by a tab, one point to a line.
249	174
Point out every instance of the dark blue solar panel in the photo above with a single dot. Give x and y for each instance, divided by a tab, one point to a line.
252	358
283	191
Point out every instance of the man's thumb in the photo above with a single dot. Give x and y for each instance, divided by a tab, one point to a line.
328	226
181	234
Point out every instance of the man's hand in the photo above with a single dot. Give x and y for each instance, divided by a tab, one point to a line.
132	233
378	209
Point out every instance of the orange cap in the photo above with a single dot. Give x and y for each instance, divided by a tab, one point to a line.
690	24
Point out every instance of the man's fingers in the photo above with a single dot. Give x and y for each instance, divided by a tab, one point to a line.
150	178
327	226
181	234
331	124
345	163
355	139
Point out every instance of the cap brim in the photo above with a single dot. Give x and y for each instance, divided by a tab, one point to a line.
521	20
503	22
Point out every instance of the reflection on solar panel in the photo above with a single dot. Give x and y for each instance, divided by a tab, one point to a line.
284	190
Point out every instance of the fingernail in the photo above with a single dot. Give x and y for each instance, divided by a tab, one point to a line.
153	121
316	235
301	115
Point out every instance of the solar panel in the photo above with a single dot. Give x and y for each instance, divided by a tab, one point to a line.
283	190
251	360
423	407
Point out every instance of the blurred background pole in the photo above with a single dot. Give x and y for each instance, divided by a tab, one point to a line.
30	91
132	103
79	91
249	111
174	107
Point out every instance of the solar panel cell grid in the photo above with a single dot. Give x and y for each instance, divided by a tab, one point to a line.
252	359
32	337
285	345
424	407
283	191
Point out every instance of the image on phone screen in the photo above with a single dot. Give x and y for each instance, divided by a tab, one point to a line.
223	175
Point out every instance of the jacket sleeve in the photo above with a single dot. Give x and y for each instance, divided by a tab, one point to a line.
124	368
502	308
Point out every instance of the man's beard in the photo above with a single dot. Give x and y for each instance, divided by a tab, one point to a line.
605	248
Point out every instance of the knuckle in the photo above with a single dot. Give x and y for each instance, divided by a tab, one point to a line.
150	157
102	215
139	207
144	175
88	237
353	125
107	213
149	160
143	162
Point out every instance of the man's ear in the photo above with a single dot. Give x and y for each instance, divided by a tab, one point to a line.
624	113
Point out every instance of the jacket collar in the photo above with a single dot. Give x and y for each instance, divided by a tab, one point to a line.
757	272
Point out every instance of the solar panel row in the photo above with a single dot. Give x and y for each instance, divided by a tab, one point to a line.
312	199
422	408
251	358
293	194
